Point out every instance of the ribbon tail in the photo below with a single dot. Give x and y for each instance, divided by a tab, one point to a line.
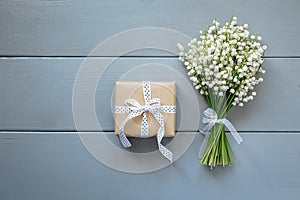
206	132
160	134
165	152
123	139
204	144
207	128
232	130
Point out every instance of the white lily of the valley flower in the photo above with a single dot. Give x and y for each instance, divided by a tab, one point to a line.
226	59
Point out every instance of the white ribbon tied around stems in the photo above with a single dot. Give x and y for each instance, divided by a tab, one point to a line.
134	109
211	118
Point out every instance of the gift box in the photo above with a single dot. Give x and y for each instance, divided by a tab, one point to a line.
145	109
164	91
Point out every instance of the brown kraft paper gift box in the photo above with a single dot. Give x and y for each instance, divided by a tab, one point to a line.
165	91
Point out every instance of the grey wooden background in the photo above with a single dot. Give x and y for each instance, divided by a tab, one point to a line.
42	45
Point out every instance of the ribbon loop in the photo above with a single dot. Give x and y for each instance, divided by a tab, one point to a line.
134	109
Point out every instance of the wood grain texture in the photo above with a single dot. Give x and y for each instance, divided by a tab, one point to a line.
41	48
74	28
36	93
57	166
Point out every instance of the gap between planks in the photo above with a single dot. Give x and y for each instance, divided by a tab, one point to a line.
110	132
113	56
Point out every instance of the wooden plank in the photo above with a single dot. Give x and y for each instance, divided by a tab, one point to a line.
57	166
74	28
36	93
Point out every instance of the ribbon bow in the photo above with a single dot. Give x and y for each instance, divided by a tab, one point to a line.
211	118
134	109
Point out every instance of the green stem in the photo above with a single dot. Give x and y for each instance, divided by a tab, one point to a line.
218	150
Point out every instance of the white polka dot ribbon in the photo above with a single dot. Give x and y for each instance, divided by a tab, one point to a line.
134	109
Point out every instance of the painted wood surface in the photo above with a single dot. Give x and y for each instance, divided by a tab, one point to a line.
37	93
73	28
42	46
57	166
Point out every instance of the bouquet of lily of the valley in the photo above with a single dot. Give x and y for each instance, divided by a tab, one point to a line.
225	66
